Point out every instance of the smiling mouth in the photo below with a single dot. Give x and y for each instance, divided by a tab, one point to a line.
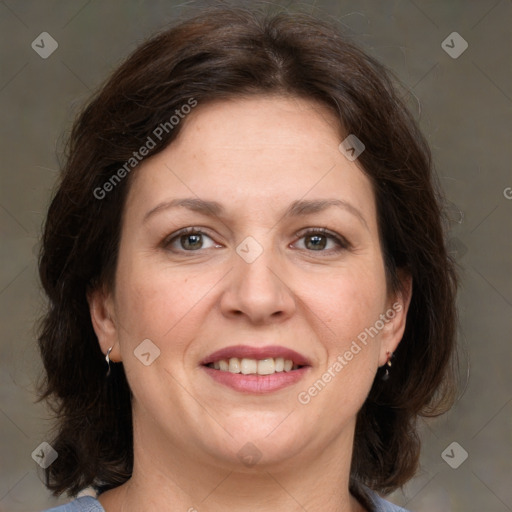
247	366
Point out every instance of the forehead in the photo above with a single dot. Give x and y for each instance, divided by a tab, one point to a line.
254	150
246	118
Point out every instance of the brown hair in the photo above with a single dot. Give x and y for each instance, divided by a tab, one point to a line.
213	56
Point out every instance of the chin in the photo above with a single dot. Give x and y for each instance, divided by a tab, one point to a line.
261	447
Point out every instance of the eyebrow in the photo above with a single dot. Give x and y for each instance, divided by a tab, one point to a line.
296	209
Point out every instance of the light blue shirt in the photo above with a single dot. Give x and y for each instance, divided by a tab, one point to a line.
90	504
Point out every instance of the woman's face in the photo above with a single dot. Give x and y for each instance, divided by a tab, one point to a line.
251	180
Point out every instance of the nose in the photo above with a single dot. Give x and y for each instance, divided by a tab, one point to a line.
258	291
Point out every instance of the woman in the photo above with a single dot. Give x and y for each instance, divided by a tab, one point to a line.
248	232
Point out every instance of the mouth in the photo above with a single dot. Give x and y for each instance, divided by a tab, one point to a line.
255	369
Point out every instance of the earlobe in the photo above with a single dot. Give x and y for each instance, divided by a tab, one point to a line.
103	321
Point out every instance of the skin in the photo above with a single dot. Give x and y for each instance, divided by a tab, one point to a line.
254	156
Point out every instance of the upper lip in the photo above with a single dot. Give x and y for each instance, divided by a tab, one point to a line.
246	351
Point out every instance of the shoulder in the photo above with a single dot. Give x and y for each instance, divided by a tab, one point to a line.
381	505
83	504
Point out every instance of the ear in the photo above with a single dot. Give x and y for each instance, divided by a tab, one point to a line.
101	308
396	315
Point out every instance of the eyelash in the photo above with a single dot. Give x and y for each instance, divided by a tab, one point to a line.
341	242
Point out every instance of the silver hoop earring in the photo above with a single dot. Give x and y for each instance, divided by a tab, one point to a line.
107	358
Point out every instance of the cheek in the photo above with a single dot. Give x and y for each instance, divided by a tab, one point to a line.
346	305
163	305
351	301
350	304
159	303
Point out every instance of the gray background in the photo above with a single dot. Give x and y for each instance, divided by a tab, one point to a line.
464	107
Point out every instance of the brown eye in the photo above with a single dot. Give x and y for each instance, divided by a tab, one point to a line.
188	240
191	242
321	240
316	242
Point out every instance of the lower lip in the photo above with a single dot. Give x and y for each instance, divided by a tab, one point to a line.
258	384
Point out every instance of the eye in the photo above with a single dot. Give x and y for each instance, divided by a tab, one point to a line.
188	240
322	240
314	239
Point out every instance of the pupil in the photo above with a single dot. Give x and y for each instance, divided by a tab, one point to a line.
191	241
319	241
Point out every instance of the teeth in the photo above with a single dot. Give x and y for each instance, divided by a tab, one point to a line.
248	366
266	366
234	365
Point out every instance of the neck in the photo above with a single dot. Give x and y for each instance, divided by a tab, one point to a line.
178	478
